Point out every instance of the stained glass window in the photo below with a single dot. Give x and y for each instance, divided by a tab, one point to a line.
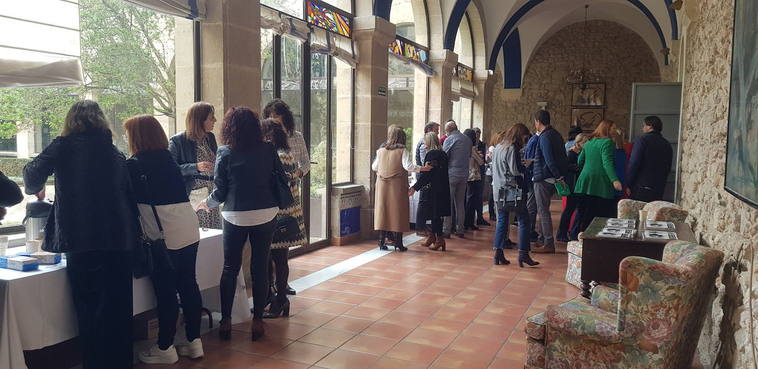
321	15
407	49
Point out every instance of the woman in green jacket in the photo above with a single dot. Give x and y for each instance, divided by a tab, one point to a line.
598	179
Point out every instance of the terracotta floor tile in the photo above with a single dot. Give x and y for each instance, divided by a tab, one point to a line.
278	364
266	346
403	318
286	329
365	312
229	359
350	324
500	363
458	315
382	303
431	337
310	317
513	351
475	345
330	307
327	337
451	359
390	363
343	359
387	330
418	308
348	298
444	325
414	352
496	332
304	353
370	344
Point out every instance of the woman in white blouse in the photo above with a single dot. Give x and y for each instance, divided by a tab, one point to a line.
391	208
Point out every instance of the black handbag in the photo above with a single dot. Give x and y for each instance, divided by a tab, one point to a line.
511	199
151	255
287	229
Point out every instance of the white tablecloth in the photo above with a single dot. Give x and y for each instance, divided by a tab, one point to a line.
36	309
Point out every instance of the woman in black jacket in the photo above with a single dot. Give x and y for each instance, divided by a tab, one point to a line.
93	221
157	181
195	152
244	183
434	202
10	194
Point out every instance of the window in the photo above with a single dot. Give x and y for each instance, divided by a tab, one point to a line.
342	121
135	61
267	67
291	7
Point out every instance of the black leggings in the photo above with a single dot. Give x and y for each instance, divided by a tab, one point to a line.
180	277
473	202
593	206
234	242
281	269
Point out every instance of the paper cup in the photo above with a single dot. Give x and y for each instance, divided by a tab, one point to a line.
33	246
3	245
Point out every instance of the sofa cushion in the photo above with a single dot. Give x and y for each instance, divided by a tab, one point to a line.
574	247
574	270
535	326
665	211
606	298
535	354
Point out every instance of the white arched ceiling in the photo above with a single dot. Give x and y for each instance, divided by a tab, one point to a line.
496	13
533	32
478	25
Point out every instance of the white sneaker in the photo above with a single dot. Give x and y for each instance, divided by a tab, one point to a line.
192	350
155	355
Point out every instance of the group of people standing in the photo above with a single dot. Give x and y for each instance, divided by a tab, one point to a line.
596	168
105	204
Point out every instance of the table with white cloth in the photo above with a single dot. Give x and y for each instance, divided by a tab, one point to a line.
36	309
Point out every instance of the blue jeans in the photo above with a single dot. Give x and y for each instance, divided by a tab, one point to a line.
501	231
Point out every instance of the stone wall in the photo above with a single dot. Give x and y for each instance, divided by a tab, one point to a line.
721	220
616	53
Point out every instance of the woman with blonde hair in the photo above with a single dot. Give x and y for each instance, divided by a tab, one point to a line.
195	152
598	178
94	221
434	202
391	207
158	191
572	200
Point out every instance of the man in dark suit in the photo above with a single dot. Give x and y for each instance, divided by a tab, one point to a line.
650	164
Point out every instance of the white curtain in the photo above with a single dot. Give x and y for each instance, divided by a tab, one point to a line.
40	43
190	9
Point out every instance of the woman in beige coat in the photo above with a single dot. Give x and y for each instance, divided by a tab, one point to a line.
391	208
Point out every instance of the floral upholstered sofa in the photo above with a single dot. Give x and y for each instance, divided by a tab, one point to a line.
627	209
652	321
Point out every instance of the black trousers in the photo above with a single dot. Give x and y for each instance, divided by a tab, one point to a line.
279	259
234	242
591	207
179	278
572	201
646	194
101	287
473	201
479	208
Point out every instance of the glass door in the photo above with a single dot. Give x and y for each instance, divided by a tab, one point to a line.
320	180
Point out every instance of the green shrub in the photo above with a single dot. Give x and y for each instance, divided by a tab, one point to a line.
12	167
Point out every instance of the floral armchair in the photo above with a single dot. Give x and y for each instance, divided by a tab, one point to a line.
652	321
627	209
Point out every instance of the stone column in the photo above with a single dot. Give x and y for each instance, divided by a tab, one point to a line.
372	35
484	84
230	60
440	86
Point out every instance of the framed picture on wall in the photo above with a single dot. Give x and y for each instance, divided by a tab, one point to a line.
741	177
588	94
587	118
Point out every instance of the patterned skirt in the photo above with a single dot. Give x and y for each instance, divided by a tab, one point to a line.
296	211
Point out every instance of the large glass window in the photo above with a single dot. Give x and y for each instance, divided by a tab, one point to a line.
267	67
291	7
342	121
135	61
292	78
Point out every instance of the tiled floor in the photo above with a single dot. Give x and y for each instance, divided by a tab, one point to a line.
418	309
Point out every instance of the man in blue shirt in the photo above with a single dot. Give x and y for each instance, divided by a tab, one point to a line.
550	165
458	149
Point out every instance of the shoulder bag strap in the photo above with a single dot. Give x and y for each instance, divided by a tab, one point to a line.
143	178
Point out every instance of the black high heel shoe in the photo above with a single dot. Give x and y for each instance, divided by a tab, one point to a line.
499	258
399	242
524	258
278	308
225	329
382	240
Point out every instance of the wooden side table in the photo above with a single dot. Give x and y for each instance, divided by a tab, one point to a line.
601	256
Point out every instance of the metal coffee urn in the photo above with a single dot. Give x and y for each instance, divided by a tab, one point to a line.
36	218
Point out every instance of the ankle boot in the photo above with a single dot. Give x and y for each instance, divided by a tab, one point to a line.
524	258
430	240
399	242
225	329
382	239
279	307
257	329
499	258
439	244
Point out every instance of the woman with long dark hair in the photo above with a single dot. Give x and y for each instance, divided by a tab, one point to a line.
598	178
94	221
508	176
244	184
158	183
195	152
434	202
280	305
